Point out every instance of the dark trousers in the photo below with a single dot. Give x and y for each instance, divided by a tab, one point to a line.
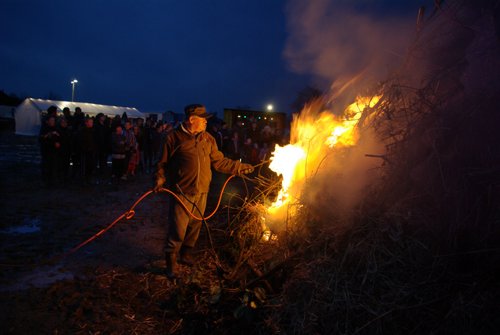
89	164
64	164
148	159
76	158
183	230
118	167
50	167
102	158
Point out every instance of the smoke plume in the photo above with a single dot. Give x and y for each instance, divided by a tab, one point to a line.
339	44
346	50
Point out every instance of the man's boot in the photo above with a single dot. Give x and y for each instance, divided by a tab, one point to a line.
187	257
171	270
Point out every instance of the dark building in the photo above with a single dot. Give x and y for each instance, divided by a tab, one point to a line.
172	117
274	119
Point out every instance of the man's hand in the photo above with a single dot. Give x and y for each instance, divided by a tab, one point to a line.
159	184
245	169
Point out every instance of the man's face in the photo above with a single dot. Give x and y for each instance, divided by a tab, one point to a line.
198	124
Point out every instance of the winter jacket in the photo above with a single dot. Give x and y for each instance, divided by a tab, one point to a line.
118	146
86	140
130	140
65	139
103	138
49	140
187	159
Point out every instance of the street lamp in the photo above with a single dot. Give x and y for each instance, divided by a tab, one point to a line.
73	83
270	108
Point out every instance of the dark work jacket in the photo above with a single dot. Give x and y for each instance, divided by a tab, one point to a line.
187	159
102	137
49	136
118	144
86	140
65	139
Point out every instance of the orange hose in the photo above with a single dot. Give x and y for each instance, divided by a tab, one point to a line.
131	212
189	211
102	231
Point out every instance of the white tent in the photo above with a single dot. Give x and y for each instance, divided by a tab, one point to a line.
28	114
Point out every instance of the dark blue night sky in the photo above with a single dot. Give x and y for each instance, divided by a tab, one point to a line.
156	55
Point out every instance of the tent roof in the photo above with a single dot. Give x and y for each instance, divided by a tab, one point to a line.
87	108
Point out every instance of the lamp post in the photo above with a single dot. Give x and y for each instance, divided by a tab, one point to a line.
73	83
270	108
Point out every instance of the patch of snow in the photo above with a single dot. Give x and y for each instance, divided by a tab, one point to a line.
41	277
30	226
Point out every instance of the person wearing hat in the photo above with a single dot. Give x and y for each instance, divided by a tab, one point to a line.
189	153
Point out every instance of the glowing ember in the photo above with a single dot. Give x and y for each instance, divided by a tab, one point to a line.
313	133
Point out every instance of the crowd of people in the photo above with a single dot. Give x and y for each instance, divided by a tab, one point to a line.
252	141
76	147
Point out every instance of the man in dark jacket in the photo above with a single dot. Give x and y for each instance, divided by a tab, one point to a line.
118	151
88	147
189	153
49	147
102	137
65	149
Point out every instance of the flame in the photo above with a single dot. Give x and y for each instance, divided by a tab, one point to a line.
283	159
313	134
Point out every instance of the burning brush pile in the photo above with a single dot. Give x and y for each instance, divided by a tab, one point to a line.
386	214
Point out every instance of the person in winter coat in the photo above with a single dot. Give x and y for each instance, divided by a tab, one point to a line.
130	148
189	153
88	146
118	152
135	155
65	138
102	133
49	149
148	145
156	142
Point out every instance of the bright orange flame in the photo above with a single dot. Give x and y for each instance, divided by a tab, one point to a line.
283	159
312	135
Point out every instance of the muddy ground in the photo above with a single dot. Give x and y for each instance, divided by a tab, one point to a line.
113	285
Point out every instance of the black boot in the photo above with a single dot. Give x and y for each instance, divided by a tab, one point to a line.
171	270
187	257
